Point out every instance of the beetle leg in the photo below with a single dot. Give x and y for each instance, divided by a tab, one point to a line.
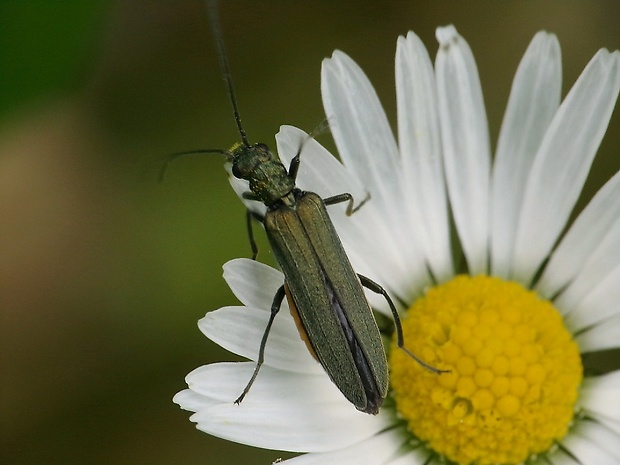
275	308
346	197
400	340
248	219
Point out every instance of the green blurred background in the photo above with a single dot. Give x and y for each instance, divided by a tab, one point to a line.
103	271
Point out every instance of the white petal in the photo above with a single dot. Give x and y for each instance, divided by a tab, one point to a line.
367	148
360	128
590	249
293	427
593	304
587	451
603	437
534	99
193	402
224	382
602	336
465	140
373	451
419	456
420	147
558	457
613	425
252	282
600	394
563	162
240	330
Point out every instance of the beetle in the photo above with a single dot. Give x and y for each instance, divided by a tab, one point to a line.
325	294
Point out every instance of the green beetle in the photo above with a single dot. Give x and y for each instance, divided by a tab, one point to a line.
325	294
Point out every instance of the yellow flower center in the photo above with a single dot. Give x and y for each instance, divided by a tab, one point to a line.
515	372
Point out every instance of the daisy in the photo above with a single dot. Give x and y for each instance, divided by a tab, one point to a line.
508	302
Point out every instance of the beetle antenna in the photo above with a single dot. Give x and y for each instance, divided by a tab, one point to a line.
170	158
216	28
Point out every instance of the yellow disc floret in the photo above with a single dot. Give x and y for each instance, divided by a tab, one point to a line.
515	372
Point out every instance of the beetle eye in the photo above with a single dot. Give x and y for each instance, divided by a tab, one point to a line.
236	171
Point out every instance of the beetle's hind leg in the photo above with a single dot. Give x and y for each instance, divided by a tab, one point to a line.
400	340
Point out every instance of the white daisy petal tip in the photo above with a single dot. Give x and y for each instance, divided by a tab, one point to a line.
446	34
336	55
191	401
252	282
